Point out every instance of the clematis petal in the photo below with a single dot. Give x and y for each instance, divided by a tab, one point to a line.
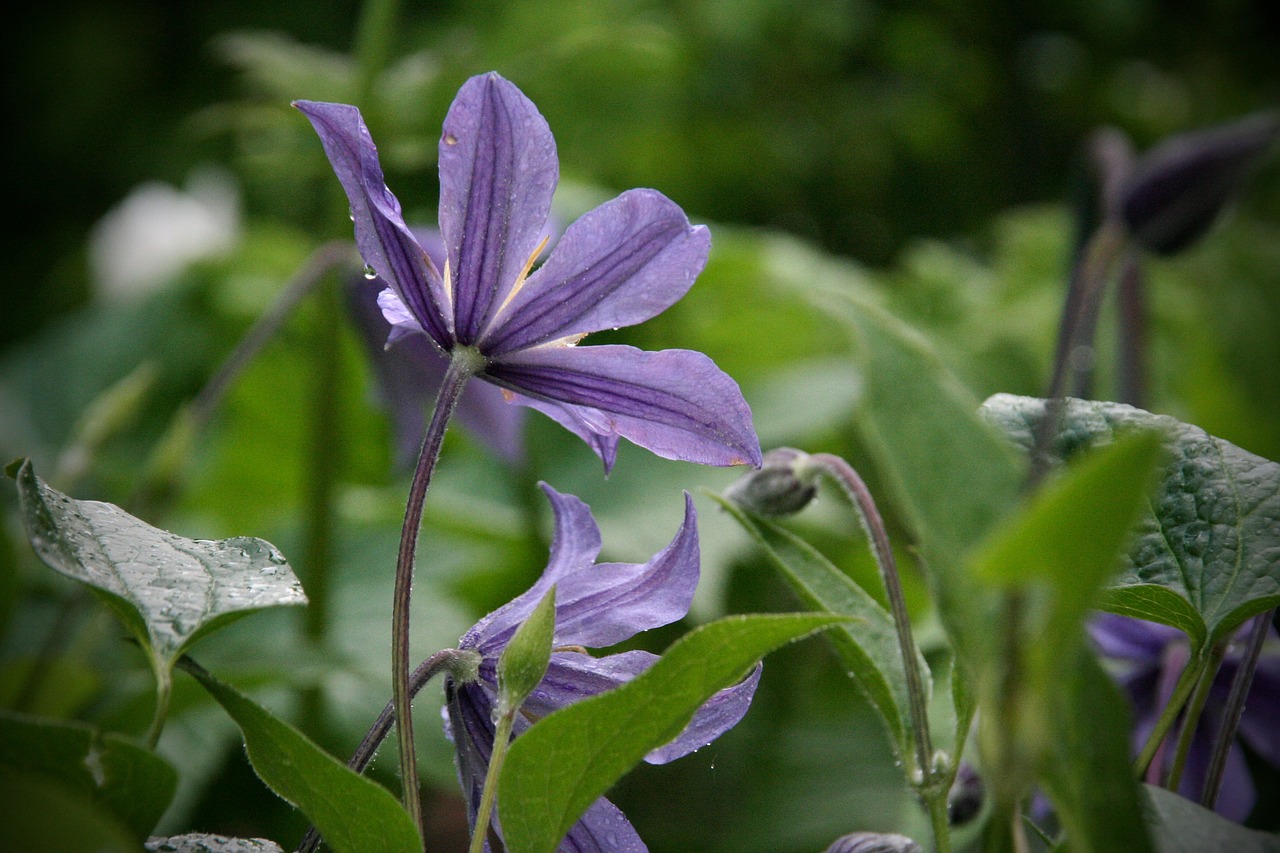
498	171
603	828
717	715
574	546
468	717
385	242
620	264
1258	725
675	403
585	423
609	603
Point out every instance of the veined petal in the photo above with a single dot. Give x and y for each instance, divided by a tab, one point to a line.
612	602
717	715
675	403
603	828
620	264
385	242
574	546
587	424
498	171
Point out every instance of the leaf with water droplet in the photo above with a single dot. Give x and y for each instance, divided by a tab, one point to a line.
167	589
200	842
1204	555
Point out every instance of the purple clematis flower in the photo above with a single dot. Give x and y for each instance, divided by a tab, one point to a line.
408	371
620	264
597	605
1150	657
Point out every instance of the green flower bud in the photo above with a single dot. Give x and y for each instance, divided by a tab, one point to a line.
783	485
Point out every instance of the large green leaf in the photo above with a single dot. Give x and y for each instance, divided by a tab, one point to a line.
38	814
167	589
353	813
565	762
1206	554
868	648
121	777
1088	774
950	476
1181	826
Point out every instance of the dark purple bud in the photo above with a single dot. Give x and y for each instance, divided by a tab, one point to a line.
964	800
783	485
873	842
1178	188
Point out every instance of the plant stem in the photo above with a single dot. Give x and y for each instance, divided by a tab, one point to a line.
1235	708
844	474
1177	700
442	661
164	690
1191	720
455	379
1132	356
501	740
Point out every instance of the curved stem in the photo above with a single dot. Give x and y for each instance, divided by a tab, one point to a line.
854	487
1191	721
455	379
1235	708
164	690
501	740
442	661
1177	701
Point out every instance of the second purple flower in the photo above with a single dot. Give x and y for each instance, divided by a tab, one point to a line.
620	264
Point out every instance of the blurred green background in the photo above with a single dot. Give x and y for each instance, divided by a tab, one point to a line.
929	157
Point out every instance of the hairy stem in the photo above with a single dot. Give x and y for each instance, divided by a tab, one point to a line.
501	740
854	487
1177	701
1191	720
455	379
442	661
1235	708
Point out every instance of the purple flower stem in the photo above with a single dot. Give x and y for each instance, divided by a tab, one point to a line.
1235	708
464	364
448	660
930	784
1172	709
1075	335
1195	708
1132	354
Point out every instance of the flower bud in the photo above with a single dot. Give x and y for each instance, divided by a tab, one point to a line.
964	800
873	842
783	485
1178	188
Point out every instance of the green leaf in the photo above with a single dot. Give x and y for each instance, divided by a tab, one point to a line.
1088	773
122	778
950	476
1211	534
525	658
168	590
200	842
868	649
565	762
40	815
1181	826
353	813
1070	537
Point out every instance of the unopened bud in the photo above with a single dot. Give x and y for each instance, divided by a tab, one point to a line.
873	842
964	800
1178	188
783	485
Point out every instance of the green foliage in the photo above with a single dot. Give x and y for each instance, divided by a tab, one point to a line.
558	768
352	813
114	774
1181	826
1203	558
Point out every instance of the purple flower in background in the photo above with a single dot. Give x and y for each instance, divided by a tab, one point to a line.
409	370
1149	659
597	605
620	264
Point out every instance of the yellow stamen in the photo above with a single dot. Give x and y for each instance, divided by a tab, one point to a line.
524	273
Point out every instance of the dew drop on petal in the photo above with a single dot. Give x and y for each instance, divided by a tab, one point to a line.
369	272
450	139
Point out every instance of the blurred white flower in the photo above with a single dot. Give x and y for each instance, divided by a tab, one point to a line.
158	230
